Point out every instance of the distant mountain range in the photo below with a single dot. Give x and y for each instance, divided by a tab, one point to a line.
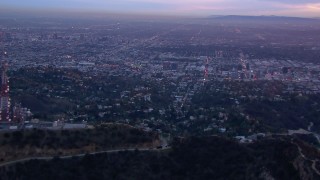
261	18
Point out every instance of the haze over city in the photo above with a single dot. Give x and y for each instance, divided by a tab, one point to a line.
299	8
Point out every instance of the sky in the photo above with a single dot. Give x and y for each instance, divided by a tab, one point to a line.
298	8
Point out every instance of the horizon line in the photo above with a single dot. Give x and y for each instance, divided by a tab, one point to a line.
98	13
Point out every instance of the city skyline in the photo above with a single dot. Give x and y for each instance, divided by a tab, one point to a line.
308	8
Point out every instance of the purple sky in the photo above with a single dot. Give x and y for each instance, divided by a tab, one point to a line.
304	8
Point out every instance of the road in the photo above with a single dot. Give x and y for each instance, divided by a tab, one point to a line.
314	162
301	131
164	146
82	155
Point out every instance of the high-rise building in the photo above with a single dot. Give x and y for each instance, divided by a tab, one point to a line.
4	94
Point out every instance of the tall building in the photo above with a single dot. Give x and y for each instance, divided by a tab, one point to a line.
4	94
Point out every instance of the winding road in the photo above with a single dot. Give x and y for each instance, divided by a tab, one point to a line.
81	155
314	162
164	146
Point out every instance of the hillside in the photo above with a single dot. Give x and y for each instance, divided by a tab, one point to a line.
191	158
42	143
262	18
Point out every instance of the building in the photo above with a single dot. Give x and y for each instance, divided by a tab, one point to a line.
20	114
4	94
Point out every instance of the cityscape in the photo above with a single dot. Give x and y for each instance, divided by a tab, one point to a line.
153	66
160	97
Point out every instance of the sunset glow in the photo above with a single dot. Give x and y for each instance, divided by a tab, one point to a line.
307	8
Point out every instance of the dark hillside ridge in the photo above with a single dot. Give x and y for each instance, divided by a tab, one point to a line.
263	18
189	158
